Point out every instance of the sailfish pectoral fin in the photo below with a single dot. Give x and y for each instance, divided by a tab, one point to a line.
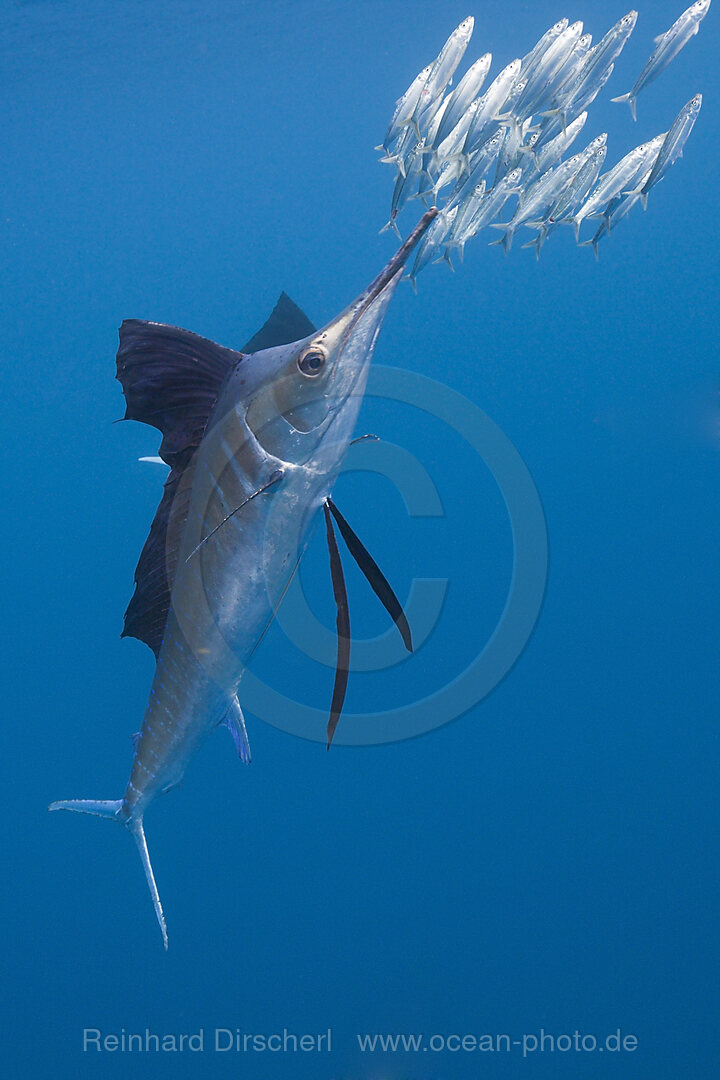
376	579
342	668
275	477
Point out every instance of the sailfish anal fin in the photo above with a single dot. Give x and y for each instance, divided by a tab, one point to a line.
234	721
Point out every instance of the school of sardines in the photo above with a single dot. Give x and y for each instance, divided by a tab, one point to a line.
522	127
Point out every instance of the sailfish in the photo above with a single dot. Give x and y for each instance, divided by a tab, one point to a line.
255	440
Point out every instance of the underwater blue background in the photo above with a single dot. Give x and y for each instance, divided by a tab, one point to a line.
549	860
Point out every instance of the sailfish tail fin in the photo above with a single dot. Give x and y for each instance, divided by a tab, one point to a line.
111	808
136	828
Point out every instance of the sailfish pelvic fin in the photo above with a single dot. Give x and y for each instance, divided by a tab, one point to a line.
342	668
375	577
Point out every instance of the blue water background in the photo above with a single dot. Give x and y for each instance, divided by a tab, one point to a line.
546	861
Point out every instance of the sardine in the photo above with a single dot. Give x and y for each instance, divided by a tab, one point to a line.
672	147
510	149
467	90
430	118
538	198
594	71
478	165
625	174
404	110
400	151
667	46
531	61
454	141
552	67
570	196
465	210
431	243
562	120
482	210
443	67
491	105
450	172
404	185
547	154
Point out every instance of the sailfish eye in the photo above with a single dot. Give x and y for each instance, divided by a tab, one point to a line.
312	361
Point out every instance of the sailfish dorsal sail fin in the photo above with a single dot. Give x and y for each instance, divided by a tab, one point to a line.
287	322
171	379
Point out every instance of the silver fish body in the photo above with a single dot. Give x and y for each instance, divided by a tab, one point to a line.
625	174
672	147
552	65
577	187
531	61
481	210
455	139
443	67
429	119
534	202
437	119
551	184
432	242
553	98
537	200
467	90
478	165
491	105
573	191
586	95
464	211
400	150
404	109
667	47
405	183
554	69
560	119
450	172
548	154
524	156
594	71
510	149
